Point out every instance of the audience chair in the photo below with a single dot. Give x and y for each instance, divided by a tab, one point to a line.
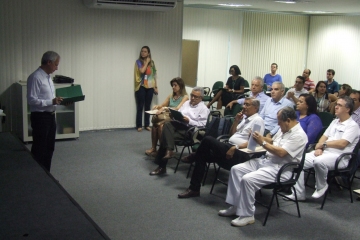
196	145
210	94
185	143
344	172
246	85
265	88
326	118
279	186
232	112
224	138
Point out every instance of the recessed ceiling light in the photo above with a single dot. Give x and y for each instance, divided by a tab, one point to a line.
317	12
286	1
234	5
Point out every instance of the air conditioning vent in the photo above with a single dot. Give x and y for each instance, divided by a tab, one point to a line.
144	5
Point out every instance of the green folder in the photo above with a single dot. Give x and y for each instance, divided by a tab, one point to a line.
70	94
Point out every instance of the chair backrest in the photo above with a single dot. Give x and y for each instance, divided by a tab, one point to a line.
297	168
265	87
320	134
352	165
218	126
217	85
326	118
246	83
233	111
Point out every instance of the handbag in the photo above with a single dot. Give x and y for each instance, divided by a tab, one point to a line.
161	118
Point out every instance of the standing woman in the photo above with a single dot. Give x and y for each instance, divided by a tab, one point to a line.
145	86
233	89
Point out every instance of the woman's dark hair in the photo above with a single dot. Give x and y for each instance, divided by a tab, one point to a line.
316	88
236	68
347	88
181	84
310	102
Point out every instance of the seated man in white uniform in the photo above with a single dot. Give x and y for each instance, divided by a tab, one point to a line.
287	145
341	136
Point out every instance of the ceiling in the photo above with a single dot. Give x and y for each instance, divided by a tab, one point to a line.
332	7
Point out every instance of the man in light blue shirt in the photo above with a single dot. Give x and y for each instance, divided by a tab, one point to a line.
272	77
256	92
271	108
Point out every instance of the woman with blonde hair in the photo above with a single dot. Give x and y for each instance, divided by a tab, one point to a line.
175	100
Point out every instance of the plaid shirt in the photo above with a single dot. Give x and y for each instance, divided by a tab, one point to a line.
356	116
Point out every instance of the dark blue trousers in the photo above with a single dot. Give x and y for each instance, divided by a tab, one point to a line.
143	97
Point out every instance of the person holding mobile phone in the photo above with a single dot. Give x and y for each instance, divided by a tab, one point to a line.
145	86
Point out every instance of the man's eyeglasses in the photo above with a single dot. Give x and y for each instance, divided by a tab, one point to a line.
194	96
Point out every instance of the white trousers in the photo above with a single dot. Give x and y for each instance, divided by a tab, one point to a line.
245	179
321	164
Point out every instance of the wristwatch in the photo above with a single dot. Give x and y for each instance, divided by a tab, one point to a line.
263	143
324	145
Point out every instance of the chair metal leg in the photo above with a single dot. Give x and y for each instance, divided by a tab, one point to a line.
323	202
296	201
206	172
215	179
277	200
182	151
269	208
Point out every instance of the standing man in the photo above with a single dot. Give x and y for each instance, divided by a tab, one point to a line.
256	92
42	101
341	136
272	77
332	85
246	178
272	106
309	84
195	113
294	93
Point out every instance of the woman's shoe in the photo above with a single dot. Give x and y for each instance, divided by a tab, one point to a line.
139	129
148	128
150	152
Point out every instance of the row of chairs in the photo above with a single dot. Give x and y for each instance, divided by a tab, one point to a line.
277	186
209	94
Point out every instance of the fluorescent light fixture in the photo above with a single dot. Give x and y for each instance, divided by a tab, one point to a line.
317	12
286	1
234	5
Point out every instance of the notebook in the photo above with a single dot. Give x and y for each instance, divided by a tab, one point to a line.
176	115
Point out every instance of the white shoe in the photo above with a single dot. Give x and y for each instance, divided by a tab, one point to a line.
240	222
231	211
319	193
292	196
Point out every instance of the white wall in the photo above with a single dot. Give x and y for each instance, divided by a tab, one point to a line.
98	48
219	32
250	40
278	38
334	42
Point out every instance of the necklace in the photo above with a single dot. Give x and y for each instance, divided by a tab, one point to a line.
176	97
